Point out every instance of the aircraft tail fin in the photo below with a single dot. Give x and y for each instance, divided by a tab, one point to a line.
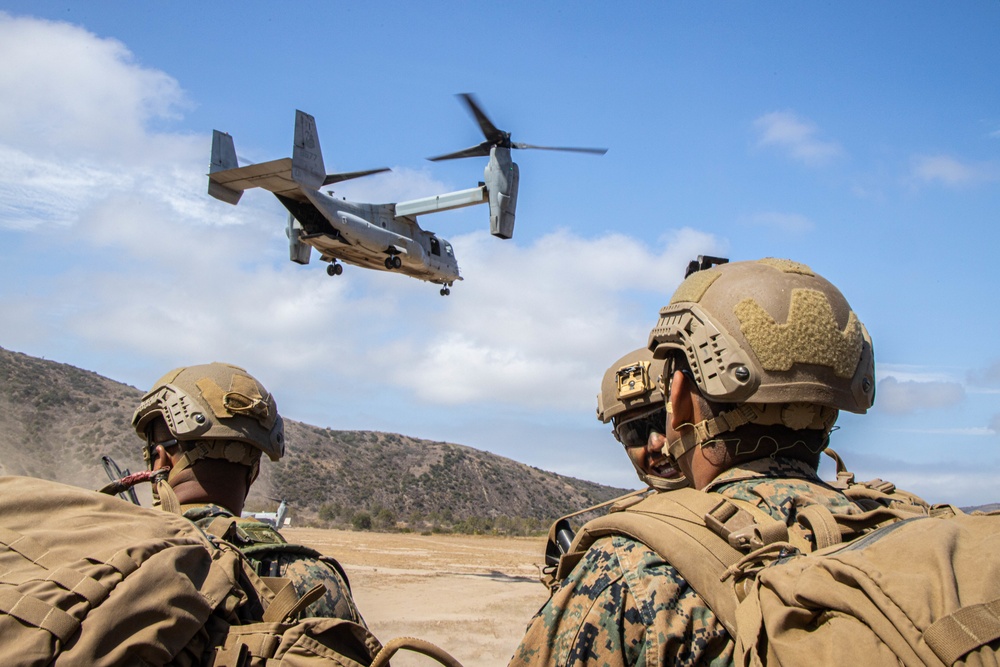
307	157
223	158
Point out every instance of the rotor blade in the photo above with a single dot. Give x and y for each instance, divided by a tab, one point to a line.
594	151
481	150
337	178
490	131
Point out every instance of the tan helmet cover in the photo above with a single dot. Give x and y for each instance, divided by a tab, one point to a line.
629	384
214	402
768	331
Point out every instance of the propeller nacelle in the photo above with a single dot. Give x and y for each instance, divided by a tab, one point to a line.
501	172
501	177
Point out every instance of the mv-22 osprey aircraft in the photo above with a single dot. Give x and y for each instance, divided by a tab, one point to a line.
385	237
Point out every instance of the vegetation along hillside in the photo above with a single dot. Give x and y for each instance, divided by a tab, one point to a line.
57	420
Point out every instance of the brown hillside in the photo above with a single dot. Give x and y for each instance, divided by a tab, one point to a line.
57	420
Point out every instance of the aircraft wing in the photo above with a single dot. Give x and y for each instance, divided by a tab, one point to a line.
274	176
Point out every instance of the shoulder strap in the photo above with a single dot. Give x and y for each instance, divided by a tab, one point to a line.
673	525
289	604
708	538
561	534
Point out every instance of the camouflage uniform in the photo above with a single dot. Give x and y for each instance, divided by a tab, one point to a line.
273	556
624	605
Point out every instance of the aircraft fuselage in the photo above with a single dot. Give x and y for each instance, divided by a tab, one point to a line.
365	234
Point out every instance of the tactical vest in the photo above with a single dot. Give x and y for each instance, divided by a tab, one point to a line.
899	583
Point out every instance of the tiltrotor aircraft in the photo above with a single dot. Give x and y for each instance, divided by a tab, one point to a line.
385	237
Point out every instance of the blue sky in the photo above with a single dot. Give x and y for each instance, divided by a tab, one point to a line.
860	138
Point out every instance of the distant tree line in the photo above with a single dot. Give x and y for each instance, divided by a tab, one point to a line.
383	519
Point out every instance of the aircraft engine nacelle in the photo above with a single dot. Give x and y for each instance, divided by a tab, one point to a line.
501	177
298	251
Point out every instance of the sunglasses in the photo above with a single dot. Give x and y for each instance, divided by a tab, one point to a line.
634	432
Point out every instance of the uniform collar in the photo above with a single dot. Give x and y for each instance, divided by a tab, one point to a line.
766	468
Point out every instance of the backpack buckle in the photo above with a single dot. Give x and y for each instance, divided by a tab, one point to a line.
735	526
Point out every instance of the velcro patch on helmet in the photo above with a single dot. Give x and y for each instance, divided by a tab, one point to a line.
244	398
214	396
787	265
810	336
695	286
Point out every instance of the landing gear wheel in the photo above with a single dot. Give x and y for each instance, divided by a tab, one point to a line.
396	262
334	270
388	263
445	291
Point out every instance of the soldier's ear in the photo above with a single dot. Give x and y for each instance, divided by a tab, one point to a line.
162	458
681	403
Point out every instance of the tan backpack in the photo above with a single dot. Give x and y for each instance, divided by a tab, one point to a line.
88	579
901	585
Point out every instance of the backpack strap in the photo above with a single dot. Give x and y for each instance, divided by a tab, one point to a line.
673	525
168	499
38	614
968	628
561	534
220	527
416	645
709	538
288	604
823	525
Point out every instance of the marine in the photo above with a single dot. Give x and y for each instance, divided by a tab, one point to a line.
758	358
205	429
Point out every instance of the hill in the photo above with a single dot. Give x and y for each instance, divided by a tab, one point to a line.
57	420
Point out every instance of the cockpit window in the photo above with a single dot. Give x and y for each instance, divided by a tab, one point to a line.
447	248
435	246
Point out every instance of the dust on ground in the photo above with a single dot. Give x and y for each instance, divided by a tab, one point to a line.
471	595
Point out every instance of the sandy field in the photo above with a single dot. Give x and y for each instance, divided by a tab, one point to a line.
470	595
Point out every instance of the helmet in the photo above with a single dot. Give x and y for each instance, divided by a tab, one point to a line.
629	384
631	398
215	402
774	338
769	331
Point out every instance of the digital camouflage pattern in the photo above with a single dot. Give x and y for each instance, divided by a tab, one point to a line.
624	605
273	556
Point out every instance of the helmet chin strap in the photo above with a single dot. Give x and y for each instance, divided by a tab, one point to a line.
233	451
796	416
665	484
692	435
226	450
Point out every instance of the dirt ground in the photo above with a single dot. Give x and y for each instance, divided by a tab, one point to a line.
470	595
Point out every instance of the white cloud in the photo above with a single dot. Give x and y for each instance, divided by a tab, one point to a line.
973	431
530	326
77	93
951	171
903	397
963	487
534	325
787	223
795	136
74	127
